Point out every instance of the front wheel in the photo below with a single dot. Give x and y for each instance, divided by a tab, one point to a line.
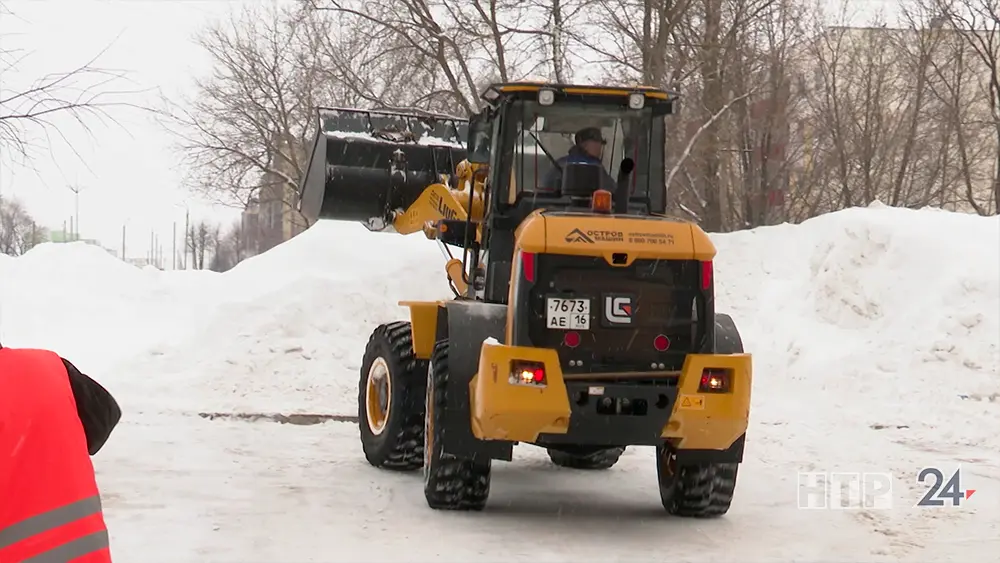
699	491
450	482
390	399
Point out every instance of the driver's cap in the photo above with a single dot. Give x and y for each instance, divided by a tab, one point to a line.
589	134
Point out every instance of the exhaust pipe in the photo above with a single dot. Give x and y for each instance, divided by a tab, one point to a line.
622	188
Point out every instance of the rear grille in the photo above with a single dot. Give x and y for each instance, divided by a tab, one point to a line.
666	300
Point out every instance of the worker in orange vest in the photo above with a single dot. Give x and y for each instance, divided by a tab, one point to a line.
52	419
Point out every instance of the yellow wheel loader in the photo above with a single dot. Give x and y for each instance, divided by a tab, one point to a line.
583	319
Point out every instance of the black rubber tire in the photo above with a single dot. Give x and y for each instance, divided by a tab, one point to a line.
727	336
450	482
400	445
698	491
601	459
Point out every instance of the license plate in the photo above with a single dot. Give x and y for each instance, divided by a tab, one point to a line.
568	314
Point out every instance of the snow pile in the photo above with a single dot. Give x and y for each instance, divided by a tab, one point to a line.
288	327
92	307
870	319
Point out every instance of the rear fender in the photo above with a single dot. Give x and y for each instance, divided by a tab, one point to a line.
466	324
423	325
709	427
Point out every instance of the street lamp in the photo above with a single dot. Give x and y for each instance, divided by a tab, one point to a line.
76	211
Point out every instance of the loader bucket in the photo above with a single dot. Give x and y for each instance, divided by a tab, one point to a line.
366	165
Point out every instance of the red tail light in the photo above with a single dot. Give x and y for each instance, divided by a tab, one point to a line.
706	275
715	380
528	266
527	373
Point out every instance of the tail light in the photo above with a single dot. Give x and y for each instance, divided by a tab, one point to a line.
706	275
715	380
528	266
527	373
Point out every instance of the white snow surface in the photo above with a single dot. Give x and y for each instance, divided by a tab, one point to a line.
876	341
430	140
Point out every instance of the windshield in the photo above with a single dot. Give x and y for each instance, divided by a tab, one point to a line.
545	138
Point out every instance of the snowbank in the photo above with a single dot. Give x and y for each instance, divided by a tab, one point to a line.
288	327
89	305
870	319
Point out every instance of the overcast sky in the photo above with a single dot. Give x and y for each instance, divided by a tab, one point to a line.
128	174
131	177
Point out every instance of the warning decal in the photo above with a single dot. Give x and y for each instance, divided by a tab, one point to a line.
692	402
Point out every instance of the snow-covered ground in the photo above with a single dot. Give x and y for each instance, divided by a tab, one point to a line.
876	342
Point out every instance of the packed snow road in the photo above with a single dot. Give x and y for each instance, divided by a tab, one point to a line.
876	342
181	488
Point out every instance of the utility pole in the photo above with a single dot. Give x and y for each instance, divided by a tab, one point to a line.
76	211
173	263
123	244
187	233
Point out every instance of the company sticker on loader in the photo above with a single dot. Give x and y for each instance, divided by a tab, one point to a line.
651	238
592	236
692	402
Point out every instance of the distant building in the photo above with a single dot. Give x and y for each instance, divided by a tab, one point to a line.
272	218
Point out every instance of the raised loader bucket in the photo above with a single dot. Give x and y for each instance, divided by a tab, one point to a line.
366	165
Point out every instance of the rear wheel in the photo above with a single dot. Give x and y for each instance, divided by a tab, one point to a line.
390	399
450	482
700	491
604	458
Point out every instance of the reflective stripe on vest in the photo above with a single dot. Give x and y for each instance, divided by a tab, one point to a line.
25	530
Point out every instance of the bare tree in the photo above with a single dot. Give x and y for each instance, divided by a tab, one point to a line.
246	131
782	116
642	41
19	232
230	249
977	23
201	240
440	55
30	113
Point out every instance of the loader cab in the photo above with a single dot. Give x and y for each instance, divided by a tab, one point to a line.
527	131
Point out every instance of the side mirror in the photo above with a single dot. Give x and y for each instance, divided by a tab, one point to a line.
478	149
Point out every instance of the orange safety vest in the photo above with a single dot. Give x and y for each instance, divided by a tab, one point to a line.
50	509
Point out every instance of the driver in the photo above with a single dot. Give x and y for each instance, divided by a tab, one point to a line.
588	149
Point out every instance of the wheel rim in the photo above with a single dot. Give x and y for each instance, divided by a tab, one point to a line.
378	396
